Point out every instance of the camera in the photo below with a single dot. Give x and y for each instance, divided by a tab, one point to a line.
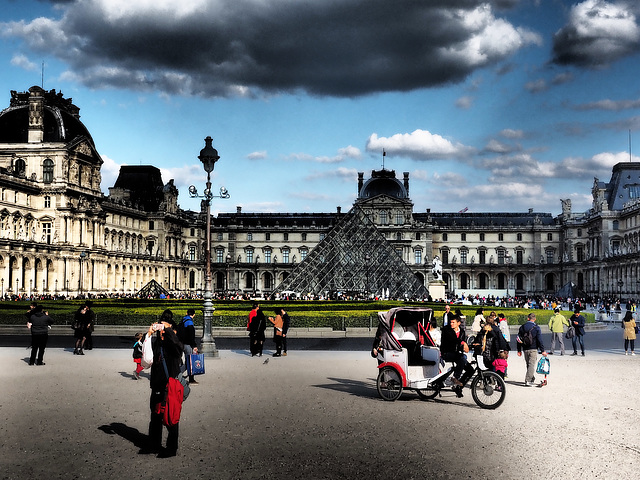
158	326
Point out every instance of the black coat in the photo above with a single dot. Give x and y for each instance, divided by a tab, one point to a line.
171	348
450	342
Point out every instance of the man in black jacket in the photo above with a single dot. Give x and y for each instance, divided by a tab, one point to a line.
187	335
453	347
39	323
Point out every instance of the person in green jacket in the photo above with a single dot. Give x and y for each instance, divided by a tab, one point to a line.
556	325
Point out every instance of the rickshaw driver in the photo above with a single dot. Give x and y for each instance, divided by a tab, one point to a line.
453	347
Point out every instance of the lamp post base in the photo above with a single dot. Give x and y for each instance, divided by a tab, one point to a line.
208	348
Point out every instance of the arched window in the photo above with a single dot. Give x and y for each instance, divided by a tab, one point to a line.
21	166
47	171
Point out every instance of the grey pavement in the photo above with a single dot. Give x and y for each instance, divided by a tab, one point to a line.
315	415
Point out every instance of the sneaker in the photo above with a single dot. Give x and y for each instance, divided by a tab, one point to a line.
193	382
458	392
550	353
284	354
276	355
574	353
529	384
137	375
583	354
633	354
456	382
626	353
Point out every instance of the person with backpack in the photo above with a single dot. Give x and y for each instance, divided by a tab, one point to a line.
187	335
529	341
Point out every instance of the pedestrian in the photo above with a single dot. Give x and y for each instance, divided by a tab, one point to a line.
82	323
252	328
578	322
39	323
629	325
137	354
90	318
500	363
478	321
530	342
277	331
446	315
187	336
286	322
556	325
258	325
167	350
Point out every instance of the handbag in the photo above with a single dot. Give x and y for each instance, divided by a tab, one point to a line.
147	353
544	366
571	332
635	329
195	364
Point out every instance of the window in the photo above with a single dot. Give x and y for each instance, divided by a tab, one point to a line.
219	236
445	256
15	197
47	171
616	225
28	200
519	237
21	167
267	256
482	237
463	256
192	252
445	237
285	255
579	253
321	236
192	232
634	191
550	256
4	191
501	237
285	237
303	255
417	235
267	236
483	256
219	255
519	257
501	256
398	235
249	253
47	201
463	237
152	225
383	218
399	218
150	246
46	232
579	232
249	236
304	237
549	237
418	257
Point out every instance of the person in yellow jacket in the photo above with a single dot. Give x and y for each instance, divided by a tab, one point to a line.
556	325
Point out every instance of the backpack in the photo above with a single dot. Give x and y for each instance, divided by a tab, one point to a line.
526	337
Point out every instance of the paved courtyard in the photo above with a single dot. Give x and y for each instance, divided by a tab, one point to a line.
315	415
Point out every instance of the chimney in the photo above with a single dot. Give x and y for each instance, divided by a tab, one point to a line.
339	209
36	115
238	210
406	182
360	181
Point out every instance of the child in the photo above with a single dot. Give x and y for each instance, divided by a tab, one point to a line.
500	363
137	354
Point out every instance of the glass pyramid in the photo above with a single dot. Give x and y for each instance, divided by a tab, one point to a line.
354	259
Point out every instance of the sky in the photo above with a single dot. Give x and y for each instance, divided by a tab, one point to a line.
494	106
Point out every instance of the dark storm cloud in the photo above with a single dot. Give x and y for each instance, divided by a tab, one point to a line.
247	47
597	33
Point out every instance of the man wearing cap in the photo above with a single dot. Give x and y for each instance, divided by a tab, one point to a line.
556	325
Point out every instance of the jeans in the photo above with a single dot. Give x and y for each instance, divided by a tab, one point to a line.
38	344
626	344
460	361
531	359
577	338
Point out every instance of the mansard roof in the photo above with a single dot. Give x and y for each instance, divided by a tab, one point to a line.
275	220
61	118
485	219
618	191
141	185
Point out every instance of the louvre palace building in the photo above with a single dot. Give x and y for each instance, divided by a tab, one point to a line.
60	234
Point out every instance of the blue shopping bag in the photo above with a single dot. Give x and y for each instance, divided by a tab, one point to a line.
195	364
544	366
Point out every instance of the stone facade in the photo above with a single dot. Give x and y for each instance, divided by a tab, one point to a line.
59	233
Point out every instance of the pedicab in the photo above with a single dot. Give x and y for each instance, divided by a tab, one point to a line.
409	360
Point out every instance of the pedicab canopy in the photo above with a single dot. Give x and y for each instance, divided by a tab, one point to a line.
402	325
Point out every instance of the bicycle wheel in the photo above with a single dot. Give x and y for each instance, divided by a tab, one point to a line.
428	393
488	390
389	384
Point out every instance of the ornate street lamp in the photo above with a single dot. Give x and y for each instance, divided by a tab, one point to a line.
208	156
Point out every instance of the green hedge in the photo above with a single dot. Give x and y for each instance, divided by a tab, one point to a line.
337	315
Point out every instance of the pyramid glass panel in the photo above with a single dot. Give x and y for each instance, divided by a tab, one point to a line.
354	259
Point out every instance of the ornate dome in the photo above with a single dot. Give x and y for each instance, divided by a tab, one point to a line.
61	119
383	182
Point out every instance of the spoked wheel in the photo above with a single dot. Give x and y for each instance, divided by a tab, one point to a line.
389	384
428	393
488	390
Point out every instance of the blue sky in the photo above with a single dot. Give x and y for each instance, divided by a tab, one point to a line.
498	106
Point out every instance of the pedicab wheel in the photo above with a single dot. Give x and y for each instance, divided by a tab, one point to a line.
488	390
428	393
389	384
